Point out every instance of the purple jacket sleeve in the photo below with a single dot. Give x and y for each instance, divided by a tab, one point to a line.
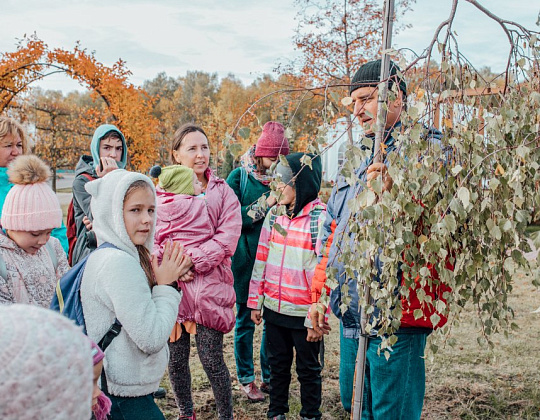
225	207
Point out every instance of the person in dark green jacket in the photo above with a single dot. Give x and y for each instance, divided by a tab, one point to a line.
13	143
250	182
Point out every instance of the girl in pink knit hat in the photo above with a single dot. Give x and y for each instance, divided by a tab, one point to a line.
31	261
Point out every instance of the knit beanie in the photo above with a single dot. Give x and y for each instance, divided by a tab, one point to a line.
272	142
46	370
31	205
177	179
370	74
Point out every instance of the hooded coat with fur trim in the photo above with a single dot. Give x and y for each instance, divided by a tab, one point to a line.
114	285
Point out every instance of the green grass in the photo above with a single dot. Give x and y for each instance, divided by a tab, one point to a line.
472	382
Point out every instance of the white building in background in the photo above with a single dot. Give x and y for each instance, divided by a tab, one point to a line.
336	141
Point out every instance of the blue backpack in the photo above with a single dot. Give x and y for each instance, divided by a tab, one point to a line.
67	299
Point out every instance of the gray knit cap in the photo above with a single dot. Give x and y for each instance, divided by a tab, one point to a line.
370	73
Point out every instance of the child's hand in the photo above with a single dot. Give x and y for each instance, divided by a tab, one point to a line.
189	276
171	264
186	266
256	317
271	201
313	336
320	325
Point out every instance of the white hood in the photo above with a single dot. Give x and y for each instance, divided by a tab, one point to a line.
107	206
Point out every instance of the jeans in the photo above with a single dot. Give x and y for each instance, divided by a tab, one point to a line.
348	347
281	343
243	347
393	388
134	408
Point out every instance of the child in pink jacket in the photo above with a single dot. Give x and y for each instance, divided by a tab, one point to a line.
280	286
31	260
208	226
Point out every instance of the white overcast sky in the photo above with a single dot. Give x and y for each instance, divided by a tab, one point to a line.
244	37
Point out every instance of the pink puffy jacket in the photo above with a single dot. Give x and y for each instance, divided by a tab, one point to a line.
209	229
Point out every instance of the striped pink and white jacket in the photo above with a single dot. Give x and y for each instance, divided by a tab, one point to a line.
284	265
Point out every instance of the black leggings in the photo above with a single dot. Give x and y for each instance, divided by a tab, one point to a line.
210	348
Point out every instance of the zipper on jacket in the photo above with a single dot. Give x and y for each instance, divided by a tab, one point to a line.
199	285
281	268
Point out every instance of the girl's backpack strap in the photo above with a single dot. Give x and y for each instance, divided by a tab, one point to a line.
107	339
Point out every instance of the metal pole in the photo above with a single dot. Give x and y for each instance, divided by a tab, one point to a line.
356	413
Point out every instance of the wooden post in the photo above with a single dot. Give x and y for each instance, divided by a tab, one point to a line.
356	412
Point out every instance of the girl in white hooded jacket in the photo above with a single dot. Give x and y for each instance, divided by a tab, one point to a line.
127	285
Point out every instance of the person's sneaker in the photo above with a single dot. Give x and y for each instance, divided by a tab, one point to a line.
160	393
265	387
252	392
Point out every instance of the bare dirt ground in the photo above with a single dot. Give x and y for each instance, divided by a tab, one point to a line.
464	382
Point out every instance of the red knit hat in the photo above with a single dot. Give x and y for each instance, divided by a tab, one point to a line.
272	141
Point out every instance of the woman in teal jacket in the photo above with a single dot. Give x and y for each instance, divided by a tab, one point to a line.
12	144
250	182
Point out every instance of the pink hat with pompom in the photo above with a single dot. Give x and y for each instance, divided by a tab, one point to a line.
30	205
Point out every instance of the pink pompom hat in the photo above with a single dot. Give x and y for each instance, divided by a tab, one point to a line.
30	205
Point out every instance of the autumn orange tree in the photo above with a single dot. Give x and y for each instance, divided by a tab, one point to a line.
128	106
62	127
